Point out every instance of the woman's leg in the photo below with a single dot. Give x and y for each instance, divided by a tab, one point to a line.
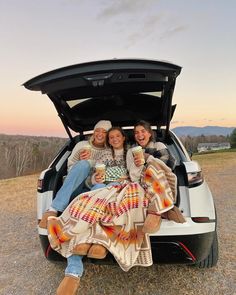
76	176
101	185
74	181
74	266
98	185
74	270
113	183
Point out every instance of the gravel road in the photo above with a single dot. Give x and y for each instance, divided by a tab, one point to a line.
25	271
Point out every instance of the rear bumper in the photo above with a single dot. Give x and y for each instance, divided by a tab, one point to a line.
188	249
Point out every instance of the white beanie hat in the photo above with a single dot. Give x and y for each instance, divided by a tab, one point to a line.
103	124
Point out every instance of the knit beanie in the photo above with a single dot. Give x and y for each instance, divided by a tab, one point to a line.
103	124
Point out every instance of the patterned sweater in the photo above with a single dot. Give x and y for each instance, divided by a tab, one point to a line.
115	167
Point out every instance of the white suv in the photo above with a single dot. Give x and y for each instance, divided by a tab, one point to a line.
125	91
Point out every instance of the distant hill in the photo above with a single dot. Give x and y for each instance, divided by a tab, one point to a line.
207	130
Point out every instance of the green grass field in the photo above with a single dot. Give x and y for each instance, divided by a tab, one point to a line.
216	159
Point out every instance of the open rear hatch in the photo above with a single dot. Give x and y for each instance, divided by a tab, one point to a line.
120	90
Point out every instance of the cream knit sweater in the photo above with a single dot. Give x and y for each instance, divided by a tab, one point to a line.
96	153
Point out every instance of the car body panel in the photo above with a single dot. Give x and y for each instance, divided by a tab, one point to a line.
201	202
44	201
192	166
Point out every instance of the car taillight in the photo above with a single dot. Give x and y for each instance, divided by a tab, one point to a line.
201	219
195	178
40	184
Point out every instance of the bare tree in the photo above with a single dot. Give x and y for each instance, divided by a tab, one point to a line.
23	155
9	155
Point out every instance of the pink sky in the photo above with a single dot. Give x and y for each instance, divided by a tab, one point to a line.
166	30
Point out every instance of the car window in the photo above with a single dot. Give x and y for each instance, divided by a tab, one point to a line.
74	102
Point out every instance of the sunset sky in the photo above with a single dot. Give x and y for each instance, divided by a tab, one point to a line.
38	36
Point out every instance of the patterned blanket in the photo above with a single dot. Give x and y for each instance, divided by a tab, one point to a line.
114	216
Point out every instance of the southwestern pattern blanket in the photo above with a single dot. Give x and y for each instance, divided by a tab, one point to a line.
114	217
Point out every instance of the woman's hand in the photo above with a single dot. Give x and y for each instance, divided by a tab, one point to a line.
122	178
138	161
84	154
99	178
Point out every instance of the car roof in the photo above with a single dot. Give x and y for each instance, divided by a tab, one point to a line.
120	90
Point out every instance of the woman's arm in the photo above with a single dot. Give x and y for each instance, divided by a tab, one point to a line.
75	154
160	151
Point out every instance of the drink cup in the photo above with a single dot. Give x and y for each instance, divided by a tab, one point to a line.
101	170
86	148
138	152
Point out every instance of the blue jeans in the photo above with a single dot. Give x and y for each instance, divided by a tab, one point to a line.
74	266
74	182
101	185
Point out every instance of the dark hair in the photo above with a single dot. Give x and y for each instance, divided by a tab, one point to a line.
146	125
125	141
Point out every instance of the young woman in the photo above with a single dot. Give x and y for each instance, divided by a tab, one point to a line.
144	137
115	173
115	161
78	169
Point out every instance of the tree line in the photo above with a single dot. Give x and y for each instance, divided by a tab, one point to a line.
22	155
191	142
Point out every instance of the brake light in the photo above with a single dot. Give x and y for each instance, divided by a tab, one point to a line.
195	178
201	219
40	184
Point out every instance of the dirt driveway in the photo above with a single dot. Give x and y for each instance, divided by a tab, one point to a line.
25	271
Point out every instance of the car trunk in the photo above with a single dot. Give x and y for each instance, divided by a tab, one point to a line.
120	90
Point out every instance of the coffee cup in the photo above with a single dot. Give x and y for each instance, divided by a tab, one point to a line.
101	170
138	152
86	148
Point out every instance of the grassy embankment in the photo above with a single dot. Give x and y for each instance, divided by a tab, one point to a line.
216	159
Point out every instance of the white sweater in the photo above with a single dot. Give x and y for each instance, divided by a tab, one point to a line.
96	153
